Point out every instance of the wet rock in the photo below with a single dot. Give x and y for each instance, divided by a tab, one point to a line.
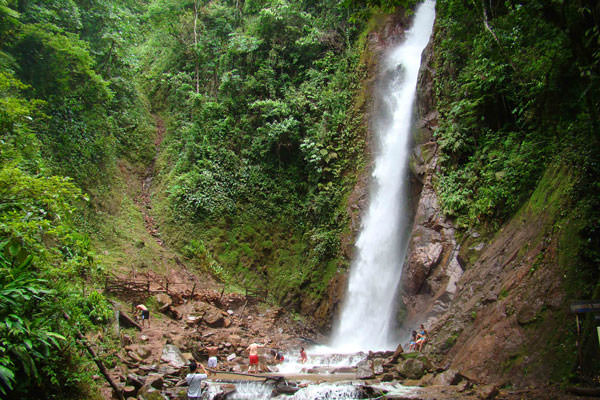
364	370
173	356
378	366
387	378
423	258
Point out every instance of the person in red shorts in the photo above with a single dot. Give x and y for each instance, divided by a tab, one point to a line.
253	355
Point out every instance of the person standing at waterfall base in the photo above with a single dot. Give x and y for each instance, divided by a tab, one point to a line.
253	355
303	357
194	381
212	357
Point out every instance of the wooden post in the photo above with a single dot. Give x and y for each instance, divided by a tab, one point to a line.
221	296
193	288
579	354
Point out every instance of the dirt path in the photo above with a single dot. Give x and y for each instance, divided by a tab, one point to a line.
144	200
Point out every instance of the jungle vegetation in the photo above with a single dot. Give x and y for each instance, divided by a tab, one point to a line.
264	106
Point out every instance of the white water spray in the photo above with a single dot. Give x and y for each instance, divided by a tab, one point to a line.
365	322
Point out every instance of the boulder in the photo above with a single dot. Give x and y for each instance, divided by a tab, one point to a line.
487	392
134	380
412	368
214	318
397	353
173	312
155	380
378	366
173	356
364	370
448	377
163	301
149	393
144	351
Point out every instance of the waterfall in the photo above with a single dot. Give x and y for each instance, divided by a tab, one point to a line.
366	320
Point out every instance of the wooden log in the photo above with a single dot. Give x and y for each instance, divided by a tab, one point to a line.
584	391
128	321
99	363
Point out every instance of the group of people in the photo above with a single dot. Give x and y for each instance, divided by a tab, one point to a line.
277	355
418	339
194	378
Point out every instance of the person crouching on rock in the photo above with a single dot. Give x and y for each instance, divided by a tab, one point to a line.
194	381
277	356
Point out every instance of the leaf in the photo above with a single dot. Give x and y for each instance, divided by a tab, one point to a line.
7	377
13	249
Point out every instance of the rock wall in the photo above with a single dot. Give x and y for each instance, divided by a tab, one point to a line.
431	270
493	302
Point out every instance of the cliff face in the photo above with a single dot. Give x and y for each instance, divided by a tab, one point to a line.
431	270
494	303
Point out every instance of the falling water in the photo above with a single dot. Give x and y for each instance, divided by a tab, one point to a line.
366	322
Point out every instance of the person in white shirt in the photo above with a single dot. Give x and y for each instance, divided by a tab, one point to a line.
194	381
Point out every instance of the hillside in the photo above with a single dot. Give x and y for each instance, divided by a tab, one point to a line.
224	149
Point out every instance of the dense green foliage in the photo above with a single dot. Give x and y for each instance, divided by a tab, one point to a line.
514	99
518	94
68	108
262	133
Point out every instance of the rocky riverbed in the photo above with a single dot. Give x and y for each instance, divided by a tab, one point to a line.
152	362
